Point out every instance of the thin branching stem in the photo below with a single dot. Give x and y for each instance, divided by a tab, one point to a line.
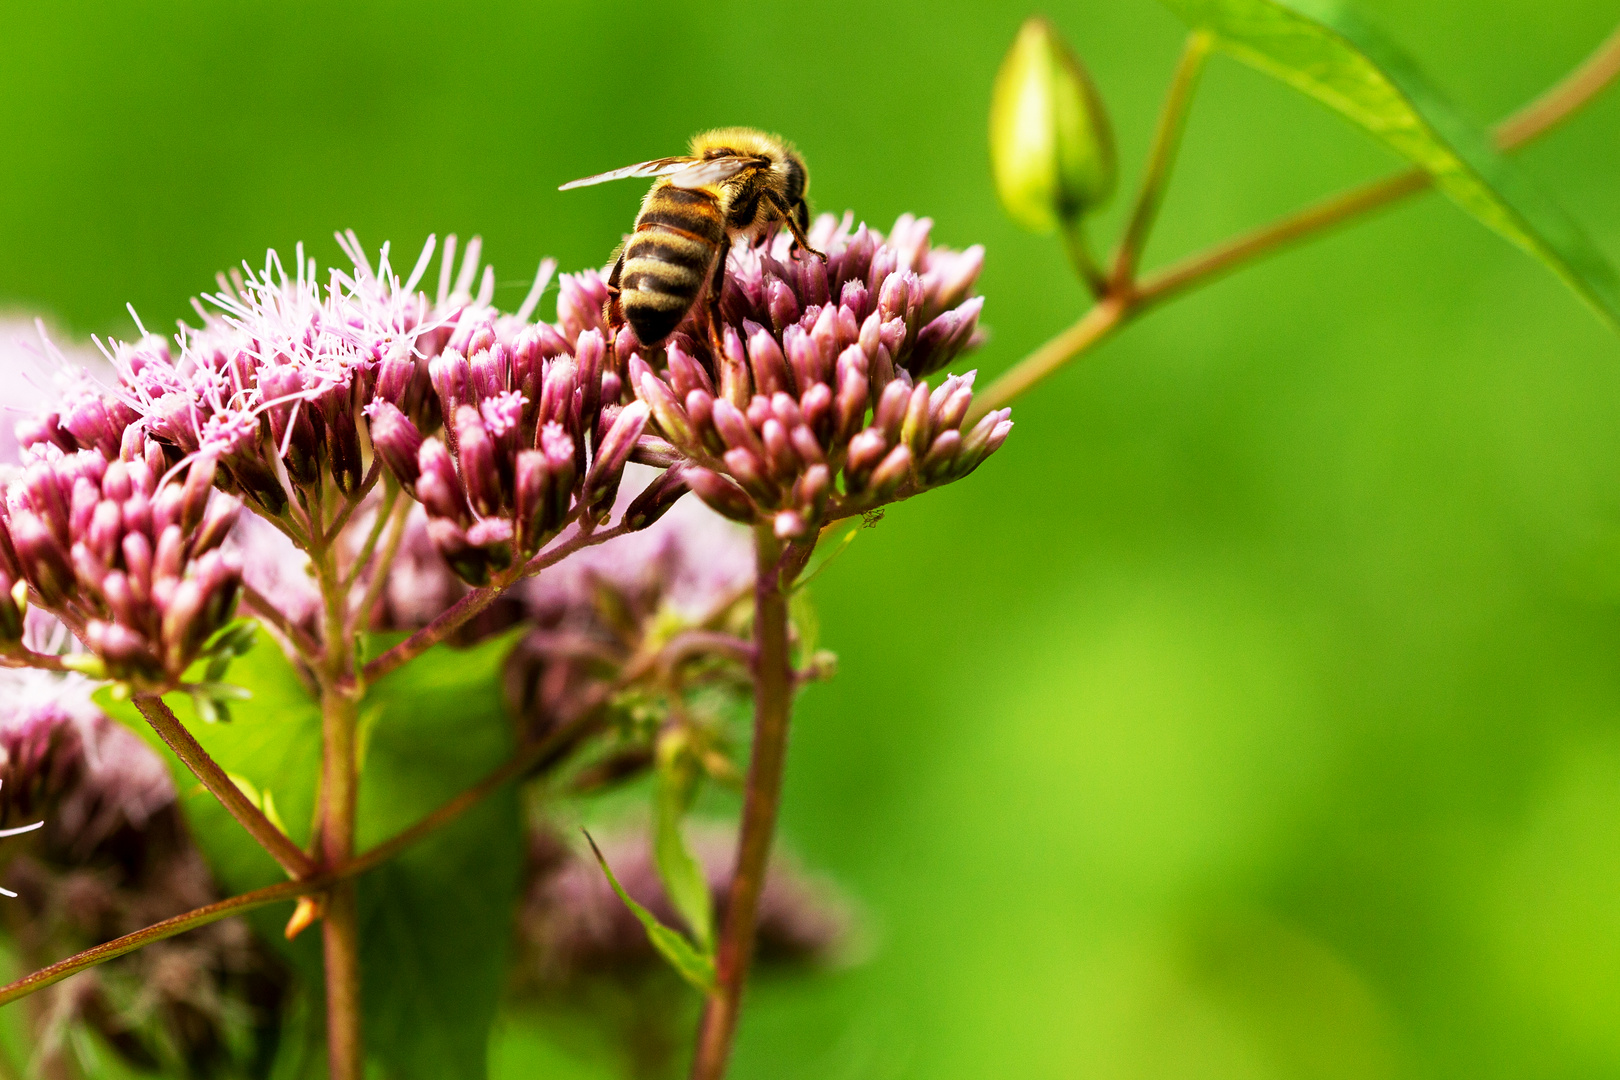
546	751
762	799
399	514
179	924
20	656
1078	248
205	769
351	504
340	781
302	641
462	611
1130	298
385	514
1161	157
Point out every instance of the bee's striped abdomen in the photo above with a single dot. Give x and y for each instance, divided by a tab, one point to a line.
667	262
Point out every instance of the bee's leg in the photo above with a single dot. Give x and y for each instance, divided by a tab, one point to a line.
797	217
612	311
717	285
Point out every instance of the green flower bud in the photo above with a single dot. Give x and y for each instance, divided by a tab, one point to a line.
1051	146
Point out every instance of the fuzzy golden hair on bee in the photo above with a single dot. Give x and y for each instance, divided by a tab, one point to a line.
734	183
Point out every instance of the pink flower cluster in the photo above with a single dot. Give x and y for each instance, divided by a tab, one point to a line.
809	403
132	565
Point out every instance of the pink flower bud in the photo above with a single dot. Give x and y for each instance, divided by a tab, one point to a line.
955	407
532	503
790	525
397	441
812	491
915	429
656	499
557	392
816	405
469	563
749	471
615	451
891	472
126	653
936	465
560	458
891	409
854	299
768	365
138	559
91	422
216	525
803	356
336	405
866	449
194	495
783	305
437	486
451	376
786	410
735	429
685	373
590	353
42	559
722	495
106	531
33	431
780	458
672	419
805	444
736	384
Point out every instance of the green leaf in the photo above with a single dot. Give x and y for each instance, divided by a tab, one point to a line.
1328	53
684	880
695	967
436	921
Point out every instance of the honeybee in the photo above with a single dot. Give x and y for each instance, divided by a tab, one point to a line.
734	182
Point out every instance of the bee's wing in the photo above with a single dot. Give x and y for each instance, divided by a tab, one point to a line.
655	167
702	173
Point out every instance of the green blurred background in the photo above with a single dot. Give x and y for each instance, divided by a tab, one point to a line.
1251	715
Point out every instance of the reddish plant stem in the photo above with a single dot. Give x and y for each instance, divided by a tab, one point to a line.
541	754
365	611
352	504
20	656
462	611
179	924
296	635
205	769
773	707
340	780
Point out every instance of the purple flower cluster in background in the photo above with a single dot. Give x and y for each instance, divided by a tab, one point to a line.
113	856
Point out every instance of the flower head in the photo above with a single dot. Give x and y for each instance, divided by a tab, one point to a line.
62	759
273	383
534	438
810	402
114	857
130	563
